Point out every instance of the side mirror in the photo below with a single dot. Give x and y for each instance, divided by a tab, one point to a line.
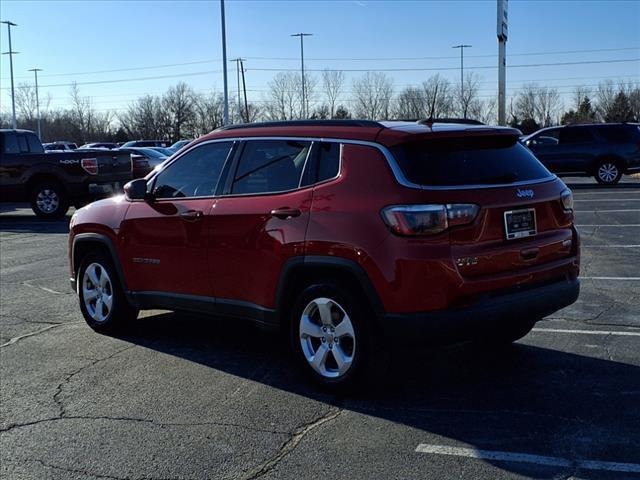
136	189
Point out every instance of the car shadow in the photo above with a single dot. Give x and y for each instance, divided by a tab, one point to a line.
520	399
29	223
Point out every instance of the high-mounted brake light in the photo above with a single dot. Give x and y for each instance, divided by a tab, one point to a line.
90	165
566	197
413	220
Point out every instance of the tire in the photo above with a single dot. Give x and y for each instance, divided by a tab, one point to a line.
347	348
608	172
49	200
102	300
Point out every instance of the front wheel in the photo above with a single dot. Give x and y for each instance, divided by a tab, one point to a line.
608	172
49	200
331	337
102	300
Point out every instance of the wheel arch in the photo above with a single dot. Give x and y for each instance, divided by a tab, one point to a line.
83	243
302	271
607	156
42	177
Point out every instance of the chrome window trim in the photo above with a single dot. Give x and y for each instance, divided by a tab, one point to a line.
395	168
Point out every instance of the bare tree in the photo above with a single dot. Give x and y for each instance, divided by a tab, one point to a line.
372	96
410	104
548	106
439	97
605	98
284	100
332	83
178	105
208	114
467	96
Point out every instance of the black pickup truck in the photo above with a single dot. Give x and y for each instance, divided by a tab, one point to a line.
53	181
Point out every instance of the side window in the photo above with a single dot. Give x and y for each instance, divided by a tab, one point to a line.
22	144
34	144
10	143
329	161
616	134
194	174
267	166
569	136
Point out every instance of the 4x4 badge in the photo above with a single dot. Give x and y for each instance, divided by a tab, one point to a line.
525	193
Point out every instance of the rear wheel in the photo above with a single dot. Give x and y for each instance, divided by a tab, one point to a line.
49	200
102	300
331	336
608	172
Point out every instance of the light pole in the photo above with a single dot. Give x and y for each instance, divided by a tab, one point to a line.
238	62
462	47
225	120
11	53
35	71
502	32
304	98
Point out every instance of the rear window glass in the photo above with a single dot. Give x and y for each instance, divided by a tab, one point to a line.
468	161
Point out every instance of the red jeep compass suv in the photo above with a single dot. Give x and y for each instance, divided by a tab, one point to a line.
344	233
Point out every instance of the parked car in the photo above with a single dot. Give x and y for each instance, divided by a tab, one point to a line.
143	160
179	144
605	151
351	236
53	181
167	152
146	143
107	145
59	146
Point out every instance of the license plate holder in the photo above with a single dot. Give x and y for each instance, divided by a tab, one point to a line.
520	223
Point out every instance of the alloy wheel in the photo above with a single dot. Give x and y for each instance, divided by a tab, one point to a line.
327	337
47	200
97	292
608	172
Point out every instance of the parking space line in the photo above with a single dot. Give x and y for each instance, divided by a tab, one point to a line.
606	200
607	225
609	211
609	246
527	458
610	278
588	332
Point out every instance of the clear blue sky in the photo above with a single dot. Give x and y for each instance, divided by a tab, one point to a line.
69	38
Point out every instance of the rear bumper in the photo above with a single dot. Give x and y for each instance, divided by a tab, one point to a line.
464	324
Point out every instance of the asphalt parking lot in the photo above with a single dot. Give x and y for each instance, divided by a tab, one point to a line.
182	396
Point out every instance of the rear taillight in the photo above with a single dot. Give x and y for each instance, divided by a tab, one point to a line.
412	220
566	198
90	165
139	162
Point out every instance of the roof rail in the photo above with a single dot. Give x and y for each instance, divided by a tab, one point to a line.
305	123
468	121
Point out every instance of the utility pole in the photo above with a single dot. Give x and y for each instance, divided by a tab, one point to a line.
225	120
11	53
462	47
305	107
502	30
238	62
244	87
35	71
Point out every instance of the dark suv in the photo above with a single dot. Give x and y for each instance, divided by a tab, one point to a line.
351	236
605	151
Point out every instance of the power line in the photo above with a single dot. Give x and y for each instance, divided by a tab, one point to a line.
481	67
350	59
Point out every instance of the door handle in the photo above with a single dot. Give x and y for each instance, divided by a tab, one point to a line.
192	215
285	212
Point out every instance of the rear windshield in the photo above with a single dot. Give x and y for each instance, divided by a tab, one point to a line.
468	161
